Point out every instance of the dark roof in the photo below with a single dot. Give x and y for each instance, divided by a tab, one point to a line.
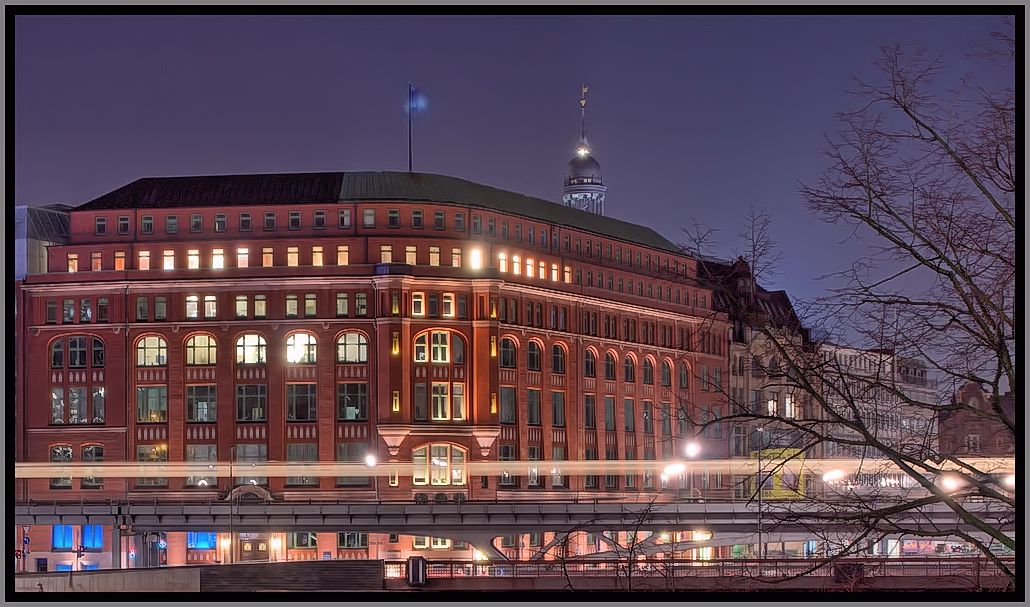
300	188
722	277
48	223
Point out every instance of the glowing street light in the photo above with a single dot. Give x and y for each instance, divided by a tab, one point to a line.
833	475
370	460
692	449
1010	480
950	483
674	469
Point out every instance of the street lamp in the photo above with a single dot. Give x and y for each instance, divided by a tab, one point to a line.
692	449
761	551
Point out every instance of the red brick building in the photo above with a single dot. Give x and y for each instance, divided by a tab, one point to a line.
975	425
331	316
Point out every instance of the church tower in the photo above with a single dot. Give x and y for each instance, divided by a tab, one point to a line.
584	188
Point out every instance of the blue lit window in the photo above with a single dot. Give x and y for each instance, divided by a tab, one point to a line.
201	540
88	567
63	566
93	537
62	537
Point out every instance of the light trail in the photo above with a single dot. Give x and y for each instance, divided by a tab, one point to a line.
816	467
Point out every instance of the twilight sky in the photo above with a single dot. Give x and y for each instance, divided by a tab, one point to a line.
691	117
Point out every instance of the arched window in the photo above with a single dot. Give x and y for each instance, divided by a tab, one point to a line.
422	348
666	376
648	372
151	351
629	372
533	356
558	359
352	348
200	350
98	353
92	454
61	454
589	364
457	349
251	349
684	377
57	354
440	347
508	353
609	366
438	464
301	348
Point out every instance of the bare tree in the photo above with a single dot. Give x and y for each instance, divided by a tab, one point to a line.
927	180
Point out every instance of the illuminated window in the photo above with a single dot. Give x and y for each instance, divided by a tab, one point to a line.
192	306
790	409
218	259
317	256
95	262
434	256
475	259
568	275
242	257
543	271
73	262
418	304
119	260
192	259
241	306
530	268
151	351
421	348
502	262
516	266
554	272
292	256
342	301
291	306
440	352
301	348
267	257
342	255
210	306
201	350
260	303
456	257
386	254
169	260
448	305
352	348
441	398
410	255
251	349
439	465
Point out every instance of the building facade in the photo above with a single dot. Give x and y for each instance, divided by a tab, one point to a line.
330	317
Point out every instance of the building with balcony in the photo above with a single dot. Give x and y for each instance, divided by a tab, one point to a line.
329	317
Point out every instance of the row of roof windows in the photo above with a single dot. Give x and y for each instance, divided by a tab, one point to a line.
618	254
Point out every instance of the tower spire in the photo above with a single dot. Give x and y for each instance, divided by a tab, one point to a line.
583	120
584	189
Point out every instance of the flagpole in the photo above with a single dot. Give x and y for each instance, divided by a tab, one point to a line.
411	110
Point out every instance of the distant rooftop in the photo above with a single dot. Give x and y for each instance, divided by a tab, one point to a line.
306	188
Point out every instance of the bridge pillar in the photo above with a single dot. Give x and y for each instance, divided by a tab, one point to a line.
116	546
176	548
327	543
